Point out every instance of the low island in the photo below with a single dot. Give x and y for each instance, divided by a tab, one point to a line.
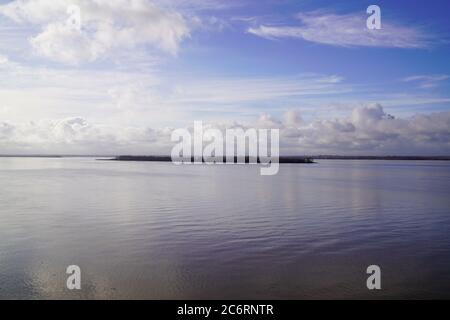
290	159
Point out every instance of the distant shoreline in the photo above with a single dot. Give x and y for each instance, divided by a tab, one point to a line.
247	159
282	159
298	159
414	158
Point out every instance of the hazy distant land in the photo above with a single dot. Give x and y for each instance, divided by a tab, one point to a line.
294	159
282	159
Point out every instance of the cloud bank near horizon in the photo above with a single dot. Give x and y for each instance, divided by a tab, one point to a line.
368	130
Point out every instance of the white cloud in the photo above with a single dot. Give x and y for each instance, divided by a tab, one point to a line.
106	26
427	81
292	119
60	43
148	97
345	30
367	130
370	130
3	60
201	5
77	136
254	89
100	95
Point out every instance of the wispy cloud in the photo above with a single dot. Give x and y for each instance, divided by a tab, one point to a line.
427	81
149	96
346	31
250	89
201	5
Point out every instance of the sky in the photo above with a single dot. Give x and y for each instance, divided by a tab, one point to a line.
123	74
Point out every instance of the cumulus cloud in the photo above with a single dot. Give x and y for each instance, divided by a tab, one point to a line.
346	31
6	131
291	118
368	130
76	135
105	26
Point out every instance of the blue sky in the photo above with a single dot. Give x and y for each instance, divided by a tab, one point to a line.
136	68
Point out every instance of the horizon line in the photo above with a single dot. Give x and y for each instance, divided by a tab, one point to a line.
317	156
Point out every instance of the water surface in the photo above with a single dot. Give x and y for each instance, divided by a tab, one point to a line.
159	231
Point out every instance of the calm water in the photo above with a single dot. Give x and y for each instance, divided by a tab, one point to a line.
155	230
